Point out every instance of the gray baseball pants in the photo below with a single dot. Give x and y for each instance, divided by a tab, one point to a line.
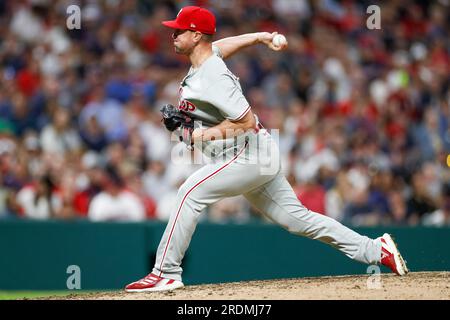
244	173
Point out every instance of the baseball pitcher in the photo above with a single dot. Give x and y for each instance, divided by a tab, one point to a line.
214	115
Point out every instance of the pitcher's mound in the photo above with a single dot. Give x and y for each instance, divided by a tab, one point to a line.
416	285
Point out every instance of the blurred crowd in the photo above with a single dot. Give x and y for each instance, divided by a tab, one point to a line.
363	115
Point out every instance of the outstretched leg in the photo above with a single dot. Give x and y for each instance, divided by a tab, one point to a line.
278	202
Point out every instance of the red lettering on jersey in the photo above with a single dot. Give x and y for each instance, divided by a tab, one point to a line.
191	107
184	104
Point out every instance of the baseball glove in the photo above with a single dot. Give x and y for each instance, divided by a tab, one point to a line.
174	119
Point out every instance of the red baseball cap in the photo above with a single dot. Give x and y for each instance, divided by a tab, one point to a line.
195	19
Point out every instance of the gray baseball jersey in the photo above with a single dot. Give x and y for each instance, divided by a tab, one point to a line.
212	94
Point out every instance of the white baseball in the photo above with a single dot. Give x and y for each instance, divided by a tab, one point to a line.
279	40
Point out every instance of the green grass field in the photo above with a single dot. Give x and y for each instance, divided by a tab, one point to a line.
12	295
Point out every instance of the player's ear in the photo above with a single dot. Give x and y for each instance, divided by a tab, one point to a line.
197	36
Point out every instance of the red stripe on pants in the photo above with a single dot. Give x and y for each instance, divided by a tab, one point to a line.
182	202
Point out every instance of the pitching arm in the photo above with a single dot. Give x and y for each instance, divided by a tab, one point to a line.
231	45
226	129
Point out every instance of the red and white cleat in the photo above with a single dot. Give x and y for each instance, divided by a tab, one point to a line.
391	257
153	283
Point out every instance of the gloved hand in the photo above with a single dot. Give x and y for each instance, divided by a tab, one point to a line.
174	119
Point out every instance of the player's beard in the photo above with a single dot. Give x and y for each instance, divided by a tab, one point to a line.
179	50
183	50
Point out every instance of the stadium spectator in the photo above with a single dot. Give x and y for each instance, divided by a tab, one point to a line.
440	217
420	201
40	200
108	113
58	136
337	197
114	202
398	209
312	195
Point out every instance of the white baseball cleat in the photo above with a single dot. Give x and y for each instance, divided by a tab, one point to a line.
391	257
152	283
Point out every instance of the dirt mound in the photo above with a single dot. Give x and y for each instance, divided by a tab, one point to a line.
417	285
